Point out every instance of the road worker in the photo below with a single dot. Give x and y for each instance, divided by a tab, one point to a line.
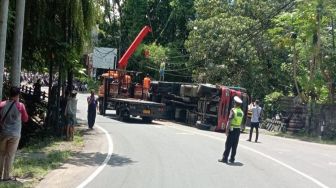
146	86
233	131
126	83
162	70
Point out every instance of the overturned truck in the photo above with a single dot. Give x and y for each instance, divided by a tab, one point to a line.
205	106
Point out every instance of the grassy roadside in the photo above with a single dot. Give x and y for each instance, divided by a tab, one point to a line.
32	163
302	137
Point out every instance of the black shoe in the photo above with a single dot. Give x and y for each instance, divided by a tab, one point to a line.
248	140
223	160
232	160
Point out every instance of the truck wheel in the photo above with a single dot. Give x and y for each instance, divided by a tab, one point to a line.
124	115
147	119
101	108
213	128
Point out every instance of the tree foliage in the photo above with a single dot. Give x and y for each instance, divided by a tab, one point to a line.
312	48
168	20
229	45
59	27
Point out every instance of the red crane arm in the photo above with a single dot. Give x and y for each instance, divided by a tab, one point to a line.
122	64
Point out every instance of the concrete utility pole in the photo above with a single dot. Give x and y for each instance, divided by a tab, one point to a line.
17	47
3	32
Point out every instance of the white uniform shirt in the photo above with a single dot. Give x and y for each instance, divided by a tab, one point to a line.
256	111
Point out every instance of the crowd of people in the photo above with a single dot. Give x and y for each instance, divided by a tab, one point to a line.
42	79
31	78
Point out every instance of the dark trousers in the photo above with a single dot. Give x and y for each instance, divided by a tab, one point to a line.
231	144
256	126
91	118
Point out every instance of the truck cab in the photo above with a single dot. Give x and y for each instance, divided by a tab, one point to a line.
213	112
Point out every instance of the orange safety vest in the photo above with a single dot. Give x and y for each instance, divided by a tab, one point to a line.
146	83
127	80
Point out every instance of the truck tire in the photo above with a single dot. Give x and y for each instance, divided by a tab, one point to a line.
101	107
147	119
117	111
124	115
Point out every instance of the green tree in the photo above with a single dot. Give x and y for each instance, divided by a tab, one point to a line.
228	45
306	33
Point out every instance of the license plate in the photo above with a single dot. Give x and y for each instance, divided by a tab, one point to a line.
146	111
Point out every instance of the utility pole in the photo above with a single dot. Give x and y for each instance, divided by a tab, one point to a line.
18	39
3	32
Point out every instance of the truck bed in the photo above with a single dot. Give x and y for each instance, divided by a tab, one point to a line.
132	100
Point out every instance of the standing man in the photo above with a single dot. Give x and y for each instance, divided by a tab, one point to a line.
233	131
162	70
256	114
37	90
92	109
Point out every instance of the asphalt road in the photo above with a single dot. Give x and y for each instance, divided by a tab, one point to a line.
165	154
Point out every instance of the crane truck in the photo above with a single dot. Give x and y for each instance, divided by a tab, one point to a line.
125	92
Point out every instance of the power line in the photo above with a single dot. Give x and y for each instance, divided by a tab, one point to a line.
178	75
287	6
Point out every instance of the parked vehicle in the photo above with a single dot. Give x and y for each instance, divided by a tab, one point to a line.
120	91
124	91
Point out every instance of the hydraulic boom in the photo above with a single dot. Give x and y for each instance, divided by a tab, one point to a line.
122	64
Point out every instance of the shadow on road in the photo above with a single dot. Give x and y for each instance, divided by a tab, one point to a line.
132	120
117	161
96	159
236	164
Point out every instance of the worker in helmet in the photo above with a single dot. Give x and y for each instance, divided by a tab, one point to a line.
146	86
162	70
233	131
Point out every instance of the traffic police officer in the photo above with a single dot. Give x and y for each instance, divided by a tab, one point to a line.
233	131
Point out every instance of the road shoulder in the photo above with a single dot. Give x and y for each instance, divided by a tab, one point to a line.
82	164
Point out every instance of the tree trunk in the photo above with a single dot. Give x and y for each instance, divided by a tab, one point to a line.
332	88
70	79
51	64
3	32
18	39
301	95
58	100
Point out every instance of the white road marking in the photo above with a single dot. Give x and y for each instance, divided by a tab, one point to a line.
102	166
320	184
184	133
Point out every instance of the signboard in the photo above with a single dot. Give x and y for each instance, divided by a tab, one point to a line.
104	58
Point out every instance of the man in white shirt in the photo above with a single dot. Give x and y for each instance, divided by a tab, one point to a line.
256	114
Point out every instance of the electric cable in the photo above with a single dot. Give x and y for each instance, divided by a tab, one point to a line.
179	75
